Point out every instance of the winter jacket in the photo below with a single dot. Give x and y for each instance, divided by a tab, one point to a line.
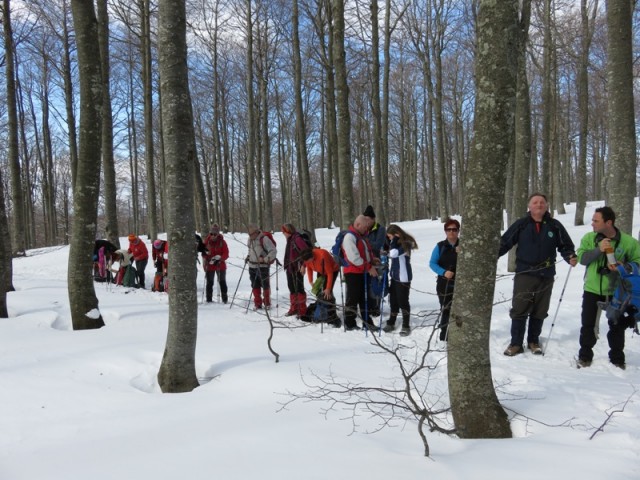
139	250
377	238
323	264
537	244
626	249
261	246
215	247
295	245
444	258
357	252
400	270
161	255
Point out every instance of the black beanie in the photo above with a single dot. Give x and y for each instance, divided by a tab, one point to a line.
368	212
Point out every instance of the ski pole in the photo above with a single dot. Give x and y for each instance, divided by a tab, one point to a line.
236	290
278	264
544	350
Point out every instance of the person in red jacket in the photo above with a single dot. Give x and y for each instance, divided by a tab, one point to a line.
138	249
361	263
214	262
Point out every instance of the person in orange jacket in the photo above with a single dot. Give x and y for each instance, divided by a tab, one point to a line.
321	261
140	253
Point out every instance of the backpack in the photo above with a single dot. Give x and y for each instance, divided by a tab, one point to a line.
624	307
129	277
336	250
306	236
270	236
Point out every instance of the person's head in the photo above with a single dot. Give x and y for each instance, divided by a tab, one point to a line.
253	230
368	212
157	244
362	224
288	229
214	230
407	241
537	205
603	220
132	238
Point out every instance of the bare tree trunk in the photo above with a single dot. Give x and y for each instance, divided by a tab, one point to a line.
147	82
252	216
17	239
301	130
377	115
621	178
475	407
177	372
345	167
83	302
108	163
69	97
6	262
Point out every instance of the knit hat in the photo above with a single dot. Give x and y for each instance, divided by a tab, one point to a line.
215	229
132	237
157	244
368	212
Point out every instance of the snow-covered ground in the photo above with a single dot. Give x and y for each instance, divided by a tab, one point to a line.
86	404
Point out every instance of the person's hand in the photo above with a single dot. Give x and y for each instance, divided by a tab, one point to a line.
246	260
260	259
573	261
327	294
449	274
373	272
604	244
217	258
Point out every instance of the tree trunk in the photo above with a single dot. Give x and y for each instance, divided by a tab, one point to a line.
13	155
621	178
83	302
345	166
177	372
6	262
108	163
475	407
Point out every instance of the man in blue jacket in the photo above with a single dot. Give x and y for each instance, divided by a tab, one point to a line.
537	237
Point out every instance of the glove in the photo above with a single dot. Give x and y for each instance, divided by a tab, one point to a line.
246	260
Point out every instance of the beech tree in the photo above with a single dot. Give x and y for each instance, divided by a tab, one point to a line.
83	302
475	407
177	372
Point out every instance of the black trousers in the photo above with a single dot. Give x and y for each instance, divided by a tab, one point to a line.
588	339
399	302
355	298
222	281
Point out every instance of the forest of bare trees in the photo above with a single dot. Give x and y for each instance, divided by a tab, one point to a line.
304	111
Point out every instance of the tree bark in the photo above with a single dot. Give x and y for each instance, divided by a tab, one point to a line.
621	179
177	371
475	407
83	302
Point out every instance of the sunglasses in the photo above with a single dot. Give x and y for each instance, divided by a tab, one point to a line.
450	229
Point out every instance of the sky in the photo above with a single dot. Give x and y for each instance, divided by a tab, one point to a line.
86	404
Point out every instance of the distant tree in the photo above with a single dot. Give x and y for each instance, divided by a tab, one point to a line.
18	231
475	407
6	261
82	296
177	372
621	179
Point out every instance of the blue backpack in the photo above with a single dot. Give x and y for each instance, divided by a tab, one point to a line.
624	307
336	250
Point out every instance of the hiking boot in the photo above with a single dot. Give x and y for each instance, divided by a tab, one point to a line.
337	323
535	348
372	327
352	328
389	327
621	366
513	350
405	331
582	363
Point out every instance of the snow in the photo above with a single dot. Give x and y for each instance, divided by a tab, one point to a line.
86	404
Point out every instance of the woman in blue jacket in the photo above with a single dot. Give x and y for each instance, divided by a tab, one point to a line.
400	246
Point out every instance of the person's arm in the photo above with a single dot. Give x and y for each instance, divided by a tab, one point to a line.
565	245
587	253
433	262
351	252
510	237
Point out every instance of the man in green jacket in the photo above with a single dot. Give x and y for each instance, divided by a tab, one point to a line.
600	279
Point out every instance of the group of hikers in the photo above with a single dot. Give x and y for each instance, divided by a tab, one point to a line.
374	261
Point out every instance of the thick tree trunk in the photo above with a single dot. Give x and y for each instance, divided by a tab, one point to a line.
83	302
177	372
6	262
108	163
345	166
476	410
621	178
